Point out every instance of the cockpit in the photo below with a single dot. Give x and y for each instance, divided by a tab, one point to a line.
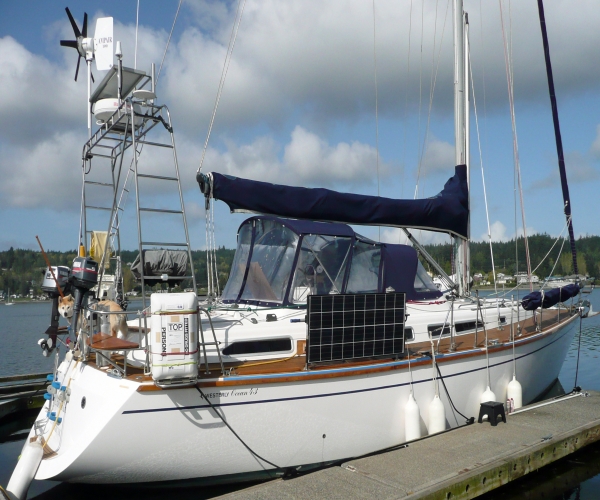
279	262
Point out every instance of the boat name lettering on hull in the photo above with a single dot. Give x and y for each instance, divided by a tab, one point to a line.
235	393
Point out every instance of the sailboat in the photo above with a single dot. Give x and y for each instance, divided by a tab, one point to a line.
8	301
323	345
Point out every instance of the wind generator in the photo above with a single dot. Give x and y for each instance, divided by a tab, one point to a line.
98	48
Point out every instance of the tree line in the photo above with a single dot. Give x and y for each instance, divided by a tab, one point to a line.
22	271
510	256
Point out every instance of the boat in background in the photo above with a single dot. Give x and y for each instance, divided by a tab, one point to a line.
324	344
560	281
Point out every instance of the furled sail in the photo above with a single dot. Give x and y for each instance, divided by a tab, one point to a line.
550	298
447	212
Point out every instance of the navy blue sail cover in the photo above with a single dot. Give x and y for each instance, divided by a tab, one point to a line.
550	298
448	211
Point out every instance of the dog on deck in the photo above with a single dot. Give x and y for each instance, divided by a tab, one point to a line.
118	322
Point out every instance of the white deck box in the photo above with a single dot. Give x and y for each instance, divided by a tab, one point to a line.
174	338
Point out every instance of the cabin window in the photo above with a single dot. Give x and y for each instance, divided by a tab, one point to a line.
364	272
436	330
465	326
271	262
409	334
321	266
264	346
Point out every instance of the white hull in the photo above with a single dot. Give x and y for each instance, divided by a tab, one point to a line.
126	436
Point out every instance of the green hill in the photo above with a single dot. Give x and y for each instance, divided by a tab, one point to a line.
21	271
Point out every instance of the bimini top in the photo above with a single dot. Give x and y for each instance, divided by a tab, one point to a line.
447	212
279	262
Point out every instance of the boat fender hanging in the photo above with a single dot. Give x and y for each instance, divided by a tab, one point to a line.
412	419
437	416
25	470
488	395
514	392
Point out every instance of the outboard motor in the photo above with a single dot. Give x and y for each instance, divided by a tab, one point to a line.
51	288
84	276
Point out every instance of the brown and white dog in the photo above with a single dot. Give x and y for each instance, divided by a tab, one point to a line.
118	322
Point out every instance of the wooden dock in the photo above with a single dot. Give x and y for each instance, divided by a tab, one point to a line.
458	464
21	392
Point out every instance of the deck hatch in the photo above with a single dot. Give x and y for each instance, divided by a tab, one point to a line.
349	326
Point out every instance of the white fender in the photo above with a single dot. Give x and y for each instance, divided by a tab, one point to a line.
514	391
412	419
488	395
25	470
437	416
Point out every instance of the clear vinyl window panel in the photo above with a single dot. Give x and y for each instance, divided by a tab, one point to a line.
271	262
238	267
357	326
423	282
321	266
364	271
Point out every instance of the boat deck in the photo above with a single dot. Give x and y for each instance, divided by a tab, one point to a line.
462	345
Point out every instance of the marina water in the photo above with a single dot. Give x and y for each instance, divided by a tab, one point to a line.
23	324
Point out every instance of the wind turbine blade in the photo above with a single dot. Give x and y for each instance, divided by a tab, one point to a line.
77	70
84	27
69	43
103	43
73	23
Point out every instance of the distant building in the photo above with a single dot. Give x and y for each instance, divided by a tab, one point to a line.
523	278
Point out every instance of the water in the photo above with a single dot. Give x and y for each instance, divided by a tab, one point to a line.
21	325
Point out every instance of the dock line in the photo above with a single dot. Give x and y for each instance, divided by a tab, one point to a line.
557	400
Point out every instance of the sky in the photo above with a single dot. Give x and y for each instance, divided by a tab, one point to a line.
354	96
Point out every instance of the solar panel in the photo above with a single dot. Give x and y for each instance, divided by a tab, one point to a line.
108	87
353	326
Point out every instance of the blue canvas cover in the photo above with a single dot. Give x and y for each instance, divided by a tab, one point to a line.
448	211
301	227
400	264
550	298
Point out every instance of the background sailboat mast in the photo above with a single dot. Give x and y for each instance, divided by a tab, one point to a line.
559	146
460	136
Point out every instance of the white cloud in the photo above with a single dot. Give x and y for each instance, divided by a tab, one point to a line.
47	174
301	76
439	157
307	160
497	231
37	98
311	159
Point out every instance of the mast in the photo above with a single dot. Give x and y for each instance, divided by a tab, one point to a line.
461	102
558	138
